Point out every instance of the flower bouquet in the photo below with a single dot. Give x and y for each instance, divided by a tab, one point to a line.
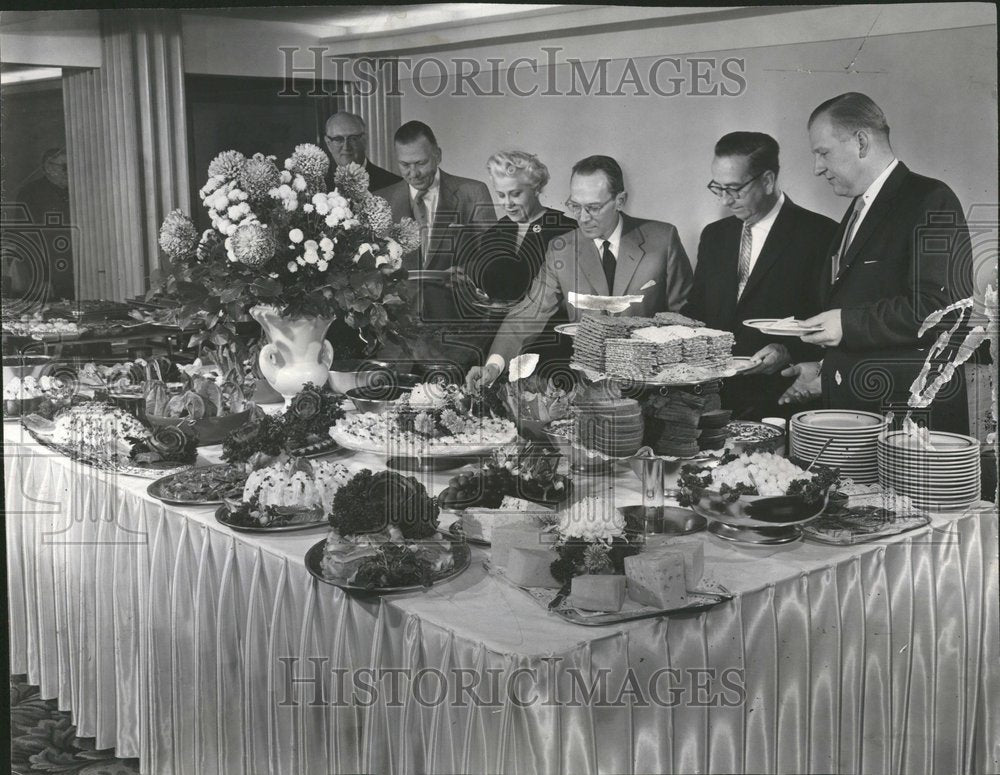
282	245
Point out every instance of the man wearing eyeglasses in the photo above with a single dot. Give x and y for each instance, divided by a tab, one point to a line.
347	141
608	254
760	261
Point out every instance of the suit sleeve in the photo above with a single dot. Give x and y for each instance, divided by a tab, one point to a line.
677	278
939	274
530	316
694	307
480	212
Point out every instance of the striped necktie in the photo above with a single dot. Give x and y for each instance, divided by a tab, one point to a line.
746	251
420	211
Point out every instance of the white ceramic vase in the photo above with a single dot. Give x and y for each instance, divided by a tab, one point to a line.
297	351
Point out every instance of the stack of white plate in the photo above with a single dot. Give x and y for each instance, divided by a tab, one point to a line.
853	438
943	478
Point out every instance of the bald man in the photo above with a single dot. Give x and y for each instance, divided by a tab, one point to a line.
347	141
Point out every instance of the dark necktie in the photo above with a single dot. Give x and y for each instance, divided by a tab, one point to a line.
608	262
859	205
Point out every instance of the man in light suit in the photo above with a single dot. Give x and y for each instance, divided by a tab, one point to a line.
347	141
449	208
761	261
609	253
902	252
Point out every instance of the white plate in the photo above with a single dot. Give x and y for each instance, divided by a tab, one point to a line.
943	443
429	275
743	362
568	329
787	328
839	420
427	450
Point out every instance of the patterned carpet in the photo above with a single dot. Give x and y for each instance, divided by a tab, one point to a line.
43	739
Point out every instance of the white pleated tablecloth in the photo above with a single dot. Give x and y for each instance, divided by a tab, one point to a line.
201	650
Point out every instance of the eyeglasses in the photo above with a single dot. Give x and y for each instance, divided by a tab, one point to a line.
736	192
592	209
341	139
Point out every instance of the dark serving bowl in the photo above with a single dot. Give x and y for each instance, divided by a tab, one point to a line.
379	398
209	430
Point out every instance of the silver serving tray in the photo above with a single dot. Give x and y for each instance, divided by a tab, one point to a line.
460	551
700	600
222	511
155	490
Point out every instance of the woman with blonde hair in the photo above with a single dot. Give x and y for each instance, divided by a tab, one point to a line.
508	255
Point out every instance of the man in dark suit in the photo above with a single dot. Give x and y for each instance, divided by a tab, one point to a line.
608	254
761	261
347	141
902	252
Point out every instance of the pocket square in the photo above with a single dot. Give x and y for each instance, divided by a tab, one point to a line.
650	284
873	261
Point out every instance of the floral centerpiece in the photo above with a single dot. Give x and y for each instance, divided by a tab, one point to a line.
292	255
592	537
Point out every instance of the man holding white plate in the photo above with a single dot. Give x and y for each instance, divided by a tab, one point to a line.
902	252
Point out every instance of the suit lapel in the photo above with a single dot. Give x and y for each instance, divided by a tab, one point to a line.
447	208
776	238
630	253
880	208
588	261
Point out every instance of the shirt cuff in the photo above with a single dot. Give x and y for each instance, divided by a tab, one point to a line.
498	361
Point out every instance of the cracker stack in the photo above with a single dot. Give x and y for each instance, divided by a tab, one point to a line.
595	330
676	319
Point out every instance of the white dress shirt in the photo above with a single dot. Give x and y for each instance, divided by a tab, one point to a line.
615	239
869	196
760	230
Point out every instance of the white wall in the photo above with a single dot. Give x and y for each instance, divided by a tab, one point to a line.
938	90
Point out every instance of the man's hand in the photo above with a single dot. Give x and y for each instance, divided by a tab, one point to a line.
832	331
480	377
769	359
807	383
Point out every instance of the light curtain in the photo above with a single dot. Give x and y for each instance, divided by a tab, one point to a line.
379	103
126	135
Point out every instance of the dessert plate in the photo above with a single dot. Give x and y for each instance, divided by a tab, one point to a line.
568	329
222	517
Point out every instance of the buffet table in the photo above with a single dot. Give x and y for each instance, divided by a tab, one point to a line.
202	650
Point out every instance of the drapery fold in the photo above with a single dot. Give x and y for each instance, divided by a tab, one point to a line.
199	650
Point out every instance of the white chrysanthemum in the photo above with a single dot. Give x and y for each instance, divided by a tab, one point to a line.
592	519
285	191
376	212
322	265
253	244
307	208
221	203
296	235
292	267
291	205
178	236
310	161
299	183
260	175
286	176
352	180
326	244
227	165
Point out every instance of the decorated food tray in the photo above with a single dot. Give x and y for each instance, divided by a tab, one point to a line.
304	519
554	600
103	463
377	434
697	376
461	553
860	514
200	486
318	449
